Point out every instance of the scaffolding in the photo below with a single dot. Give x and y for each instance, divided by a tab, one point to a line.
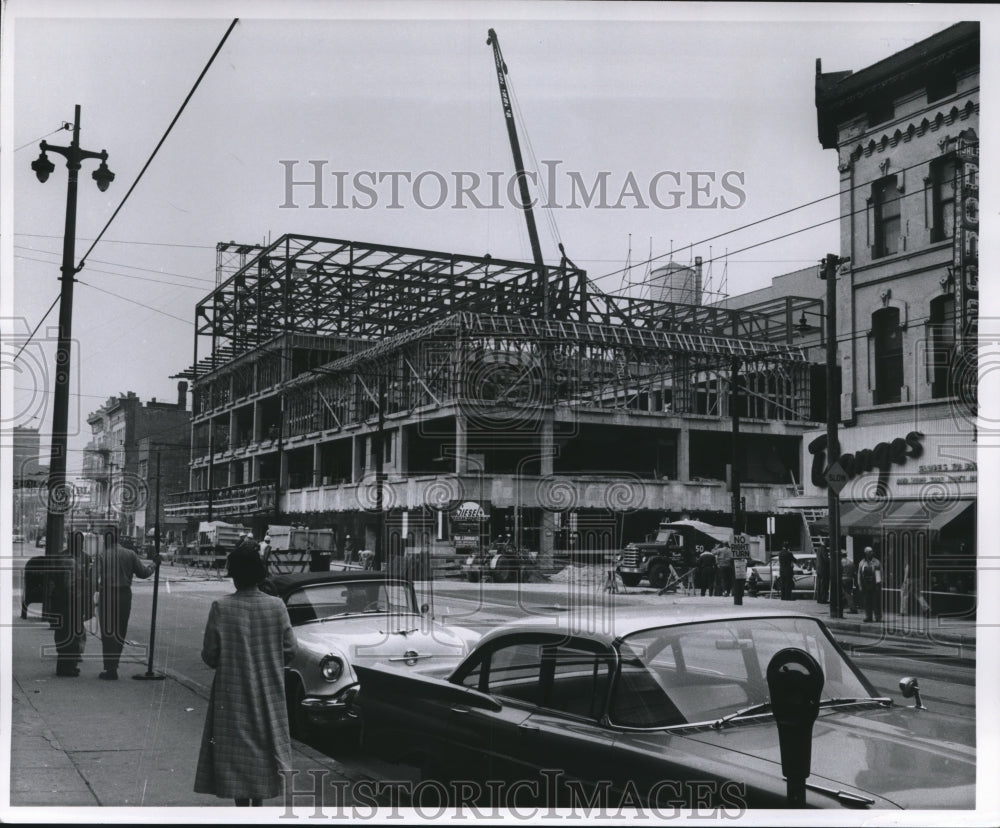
330	324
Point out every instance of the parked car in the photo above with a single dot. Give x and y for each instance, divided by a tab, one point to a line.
668	707
761	576
343	618
17	538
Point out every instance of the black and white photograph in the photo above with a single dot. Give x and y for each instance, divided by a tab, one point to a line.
436	412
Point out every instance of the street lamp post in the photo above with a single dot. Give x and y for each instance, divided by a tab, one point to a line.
55	521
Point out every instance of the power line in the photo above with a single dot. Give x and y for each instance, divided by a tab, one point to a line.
203	279
122	275
134	302
122	241
65	125
32	334
142	172
780	214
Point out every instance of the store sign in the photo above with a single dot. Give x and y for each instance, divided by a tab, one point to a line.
468	522
966	265
941	473
880	457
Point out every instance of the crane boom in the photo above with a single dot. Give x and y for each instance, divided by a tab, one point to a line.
519	173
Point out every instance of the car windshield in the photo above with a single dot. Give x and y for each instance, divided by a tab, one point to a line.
334	600
701	672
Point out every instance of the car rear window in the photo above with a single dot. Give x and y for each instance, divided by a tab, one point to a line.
700	672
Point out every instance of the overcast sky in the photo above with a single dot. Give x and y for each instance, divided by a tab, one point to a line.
704	116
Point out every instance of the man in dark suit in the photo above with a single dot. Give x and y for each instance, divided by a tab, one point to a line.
71	603
786	572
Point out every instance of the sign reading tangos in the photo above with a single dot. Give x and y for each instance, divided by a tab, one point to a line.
881	458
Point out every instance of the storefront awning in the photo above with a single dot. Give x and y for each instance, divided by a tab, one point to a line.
916	514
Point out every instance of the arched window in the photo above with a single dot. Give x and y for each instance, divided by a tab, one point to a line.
887	338
942	344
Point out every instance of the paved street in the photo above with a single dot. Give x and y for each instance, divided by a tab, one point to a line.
136	742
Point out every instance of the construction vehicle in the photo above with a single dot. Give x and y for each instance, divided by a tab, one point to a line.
674	550
298	549
502	562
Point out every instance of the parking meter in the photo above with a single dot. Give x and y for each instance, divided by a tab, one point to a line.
795	682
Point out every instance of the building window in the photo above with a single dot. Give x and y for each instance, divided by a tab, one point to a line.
942	344
942	198
881	111
886	200
143	469
940	86
887	337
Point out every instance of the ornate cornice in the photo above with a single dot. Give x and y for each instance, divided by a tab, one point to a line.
916	130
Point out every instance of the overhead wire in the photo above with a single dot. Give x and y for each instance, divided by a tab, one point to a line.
121	204
145	166
140	304
756	222
121	241
65	125
202	280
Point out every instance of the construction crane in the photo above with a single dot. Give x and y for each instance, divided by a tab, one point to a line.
522	179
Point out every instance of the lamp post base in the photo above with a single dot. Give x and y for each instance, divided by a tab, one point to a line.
149	676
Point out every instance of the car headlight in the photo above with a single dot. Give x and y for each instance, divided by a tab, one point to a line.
331	668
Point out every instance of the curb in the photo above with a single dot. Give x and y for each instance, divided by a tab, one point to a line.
313	755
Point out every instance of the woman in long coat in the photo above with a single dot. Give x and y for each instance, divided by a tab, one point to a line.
248	640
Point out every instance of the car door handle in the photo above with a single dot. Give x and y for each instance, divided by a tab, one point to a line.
460	708
524	727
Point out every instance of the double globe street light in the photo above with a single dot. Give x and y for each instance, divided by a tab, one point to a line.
43	168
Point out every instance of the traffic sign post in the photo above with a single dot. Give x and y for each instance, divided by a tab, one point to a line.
836	477
741	552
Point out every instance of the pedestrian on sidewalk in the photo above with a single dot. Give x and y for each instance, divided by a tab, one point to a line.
786	572
870	582
911	601
72	602
847	583
704	577
265	554
246	744
116	566
724	558
823	575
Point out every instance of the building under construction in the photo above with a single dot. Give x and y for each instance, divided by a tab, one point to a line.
358	386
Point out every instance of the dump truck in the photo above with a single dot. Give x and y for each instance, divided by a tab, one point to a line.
677	545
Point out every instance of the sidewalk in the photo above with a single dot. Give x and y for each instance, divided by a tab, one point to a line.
85	742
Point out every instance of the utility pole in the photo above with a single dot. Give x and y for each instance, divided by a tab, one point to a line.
828	271
380	475
55	521
739	549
